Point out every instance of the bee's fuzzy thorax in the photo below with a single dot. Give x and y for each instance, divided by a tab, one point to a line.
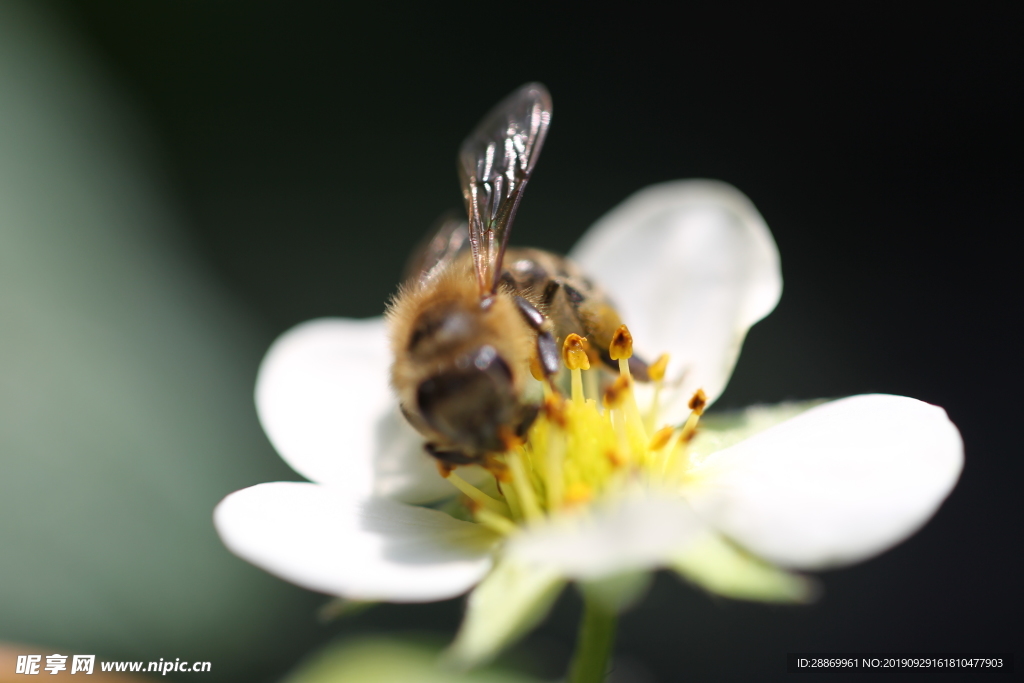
431	324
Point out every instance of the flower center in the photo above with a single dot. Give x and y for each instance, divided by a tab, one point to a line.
581	449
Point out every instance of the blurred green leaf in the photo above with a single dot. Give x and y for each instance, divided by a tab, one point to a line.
389	661
126	379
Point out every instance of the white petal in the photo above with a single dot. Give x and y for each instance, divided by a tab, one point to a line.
322	538
718	431
837	484
691	266
402	470
323	398
623	535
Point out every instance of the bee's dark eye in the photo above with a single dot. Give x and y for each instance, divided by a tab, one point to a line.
470	404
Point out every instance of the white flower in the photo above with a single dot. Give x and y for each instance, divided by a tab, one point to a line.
691	266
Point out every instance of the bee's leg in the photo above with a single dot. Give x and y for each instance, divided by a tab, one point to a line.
447	460
414	419
497	468
450	457
527	416
547	347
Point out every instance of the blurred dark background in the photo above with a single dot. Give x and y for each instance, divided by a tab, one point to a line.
306	147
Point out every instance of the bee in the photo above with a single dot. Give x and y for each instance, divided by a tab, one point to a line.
473	316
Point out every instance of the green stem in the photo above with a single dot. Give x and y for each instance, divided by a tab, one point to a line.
594	645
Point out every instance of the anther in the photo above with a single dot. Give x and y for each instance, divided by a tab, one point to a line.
622	344
509	438
656	371
497	469
593	355
615	393
554	410
698	401
590	381
661	438
574	355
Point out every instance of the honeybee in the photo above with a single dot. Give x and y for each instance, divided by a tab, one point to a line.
473	314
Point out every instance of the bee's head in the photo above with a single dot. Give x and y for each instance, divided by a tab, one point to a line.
470	403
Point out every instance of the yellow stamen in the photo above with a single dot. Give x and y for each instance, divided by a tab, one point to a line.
662	449
494	521
689	427
523	485
554	447
574	355
661	438
478	496
578	492
656	370
628	404
592	353
576	452
591	379
622	453
697	403
577	386
670	454
615	459
621	349
629	426
512	498
635	421
615	394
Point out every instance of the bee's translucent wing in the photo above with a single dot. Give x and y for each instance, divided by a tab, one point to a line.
447	239
495	162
